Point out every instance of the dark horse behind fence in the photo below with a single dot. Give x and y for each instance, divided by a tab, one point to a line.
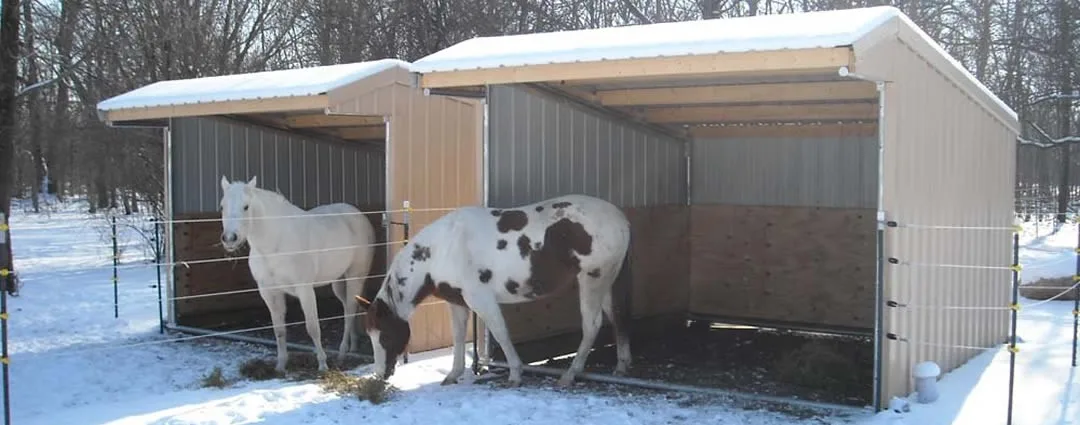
478	258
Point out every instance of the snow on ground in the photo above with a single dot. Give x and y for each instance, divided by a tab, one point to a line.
65	367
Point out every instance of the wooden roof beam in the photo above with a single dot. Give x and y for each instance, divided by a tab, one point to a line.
322	120
360	133
760	113
750	93
824	59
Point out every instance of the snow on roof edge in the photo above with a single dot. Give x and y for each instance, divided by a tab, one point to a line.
181	92
872	17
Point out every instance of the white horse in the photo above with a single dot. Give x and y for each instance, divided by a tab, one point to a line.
290	247
478	258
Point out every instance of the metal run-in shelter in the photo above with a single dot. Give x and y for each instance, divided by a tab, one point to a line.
759	159
355	133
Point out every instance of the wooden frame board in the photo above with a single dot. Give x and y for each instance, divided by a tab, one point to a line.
818	59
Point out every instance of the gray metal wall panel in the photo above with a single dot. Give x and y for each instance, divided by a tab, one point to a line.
307	171
541	146
820	171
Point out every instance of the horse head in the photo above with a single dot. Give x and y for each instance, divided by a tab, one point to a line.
235	212
389	333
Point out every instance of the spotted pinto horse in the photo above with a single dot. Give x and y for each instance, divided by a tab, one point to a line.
478	258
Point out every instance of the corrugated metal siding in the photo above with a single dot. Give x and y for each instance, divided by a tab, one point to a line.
308	172
781	171
541	146
947	161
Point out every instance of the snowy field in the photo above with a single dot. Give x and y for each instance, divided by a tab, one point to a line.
68	366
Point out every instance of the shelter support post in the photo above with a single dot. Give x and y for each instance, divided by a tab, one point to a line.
405	242
879	270
1014	307
6	273
879	291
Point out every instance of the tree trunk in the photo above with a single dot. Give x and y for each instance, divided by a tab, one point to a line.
60	170
33	108
9	62
1064	107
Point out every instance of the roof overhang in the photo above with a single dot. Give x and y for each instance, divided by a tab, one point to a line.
319	102
793	62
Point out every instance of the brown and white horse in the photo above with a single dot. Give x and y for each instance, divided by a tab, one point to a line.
478	258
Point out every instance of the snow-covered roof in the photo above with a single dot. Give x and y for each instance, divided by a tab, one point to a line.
806	30
763	32
257	85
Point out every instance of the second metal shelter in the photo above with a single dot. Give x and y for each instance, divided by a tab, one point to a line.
759	159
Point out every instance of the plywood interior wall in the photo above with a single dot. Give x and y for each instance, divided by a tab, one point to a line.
435	151
196	241
802	266
782	226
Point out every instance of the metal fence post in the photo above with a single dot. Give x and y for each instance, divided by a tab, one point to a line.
158	248
1076	296
1015	307
115	278
6	271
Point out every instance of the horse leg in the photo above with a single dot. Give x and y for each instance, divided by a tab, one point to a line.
349	341
622	340
306	295
591	319
354	283
275	302
458	323
339	292
488	309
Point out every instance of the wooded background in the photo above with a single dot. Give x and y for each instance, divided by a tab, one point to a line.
60	57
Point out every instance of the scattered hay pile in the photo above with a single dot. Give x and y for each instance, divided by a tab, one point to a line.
367	388
1046	288
215	379
300	367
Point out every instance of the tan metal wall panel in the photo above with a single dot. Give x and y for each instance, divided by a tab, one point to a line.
947	161
434	156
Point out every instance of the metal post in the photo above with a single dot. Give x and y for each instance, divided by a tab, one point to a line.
879	292
475	343
1015	307
6	271
405	226
115	264
158	247
1076	298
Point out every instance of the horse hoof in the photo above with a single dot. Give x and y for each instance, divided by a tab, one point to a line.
448	381
565	382
513	383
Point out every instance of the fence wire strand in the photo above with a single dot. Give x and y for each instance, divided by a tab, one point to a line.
219	219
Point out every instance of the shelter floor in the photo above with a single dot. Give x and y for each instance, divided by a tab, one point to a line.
816	367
